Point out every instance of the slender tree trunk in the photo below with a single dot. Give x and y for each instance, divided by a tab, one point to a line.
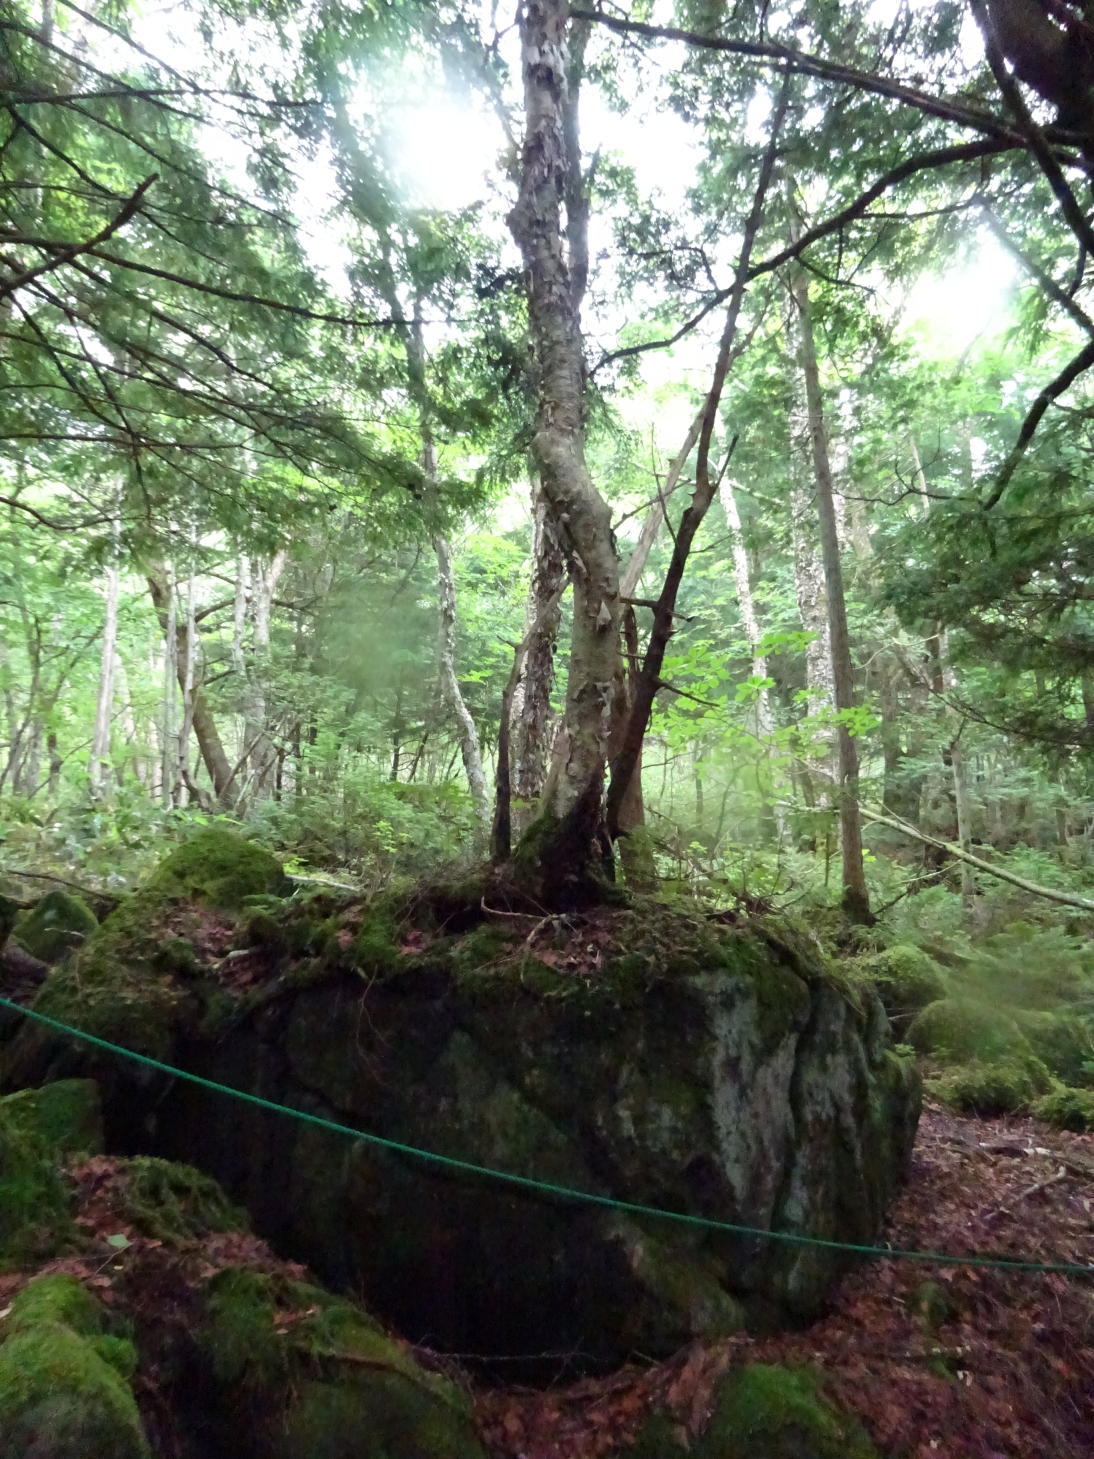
198	714
648	681
99	768
264	578
171	789
763	723
855	896
571	846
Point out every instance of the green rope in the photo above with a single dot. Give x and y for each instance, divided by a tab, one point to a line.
544	1187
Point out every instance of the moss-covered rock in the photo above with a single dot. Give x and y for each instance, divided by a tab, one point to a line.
66	1115
38	1128
906	978
63	1378
779	1413
55	926
994	1087
953	1030
137	980
644	1053
174	1203
1067	1109
218	868
298	1374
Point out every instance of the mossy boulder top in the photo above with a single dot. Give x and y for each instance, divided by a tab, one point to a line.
220	869
55	926
135	978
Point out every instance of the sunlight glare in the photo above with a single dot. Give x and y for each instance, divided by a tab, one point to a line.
444	152
950	310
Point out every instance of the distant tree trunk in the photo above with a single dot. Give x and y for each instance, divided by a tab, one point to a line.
762	719
856	900
199	717
636	854
264	578
953	759
171	788
99	767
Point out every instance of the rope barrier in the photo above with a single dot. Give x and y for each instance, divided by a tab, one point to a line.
543	1187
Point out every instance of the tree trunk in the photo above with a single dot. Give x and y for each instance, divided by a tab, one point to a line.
570	841
200	717
99	768
855	896
257	729
531	728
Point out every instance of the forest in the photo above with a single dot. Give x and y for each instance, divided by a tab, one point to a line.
546	652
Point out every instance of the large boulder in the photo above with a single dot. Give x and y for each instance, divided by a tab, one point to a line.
646	1056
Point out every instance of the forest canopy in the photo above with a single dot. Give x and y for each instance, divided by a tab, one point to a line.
648	442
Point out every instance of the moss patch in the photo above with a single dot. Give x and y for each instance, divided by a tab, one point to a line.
318	1379
956	1029
63	1389
173	1202
134	980
35	1201
65	1114
219	869
779	1413
906	978
1067	1109
996	1087
56	925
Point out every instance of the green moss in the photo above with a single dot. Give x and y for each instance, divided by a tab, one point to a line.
1063	1041
906	978
35	1202
375	948
63	1393
220	869
955	1029
320	1379
55	925
1067	1109
123	1001
55	1298
65	1114
779	1413
384	1417
174	1202
1001	1086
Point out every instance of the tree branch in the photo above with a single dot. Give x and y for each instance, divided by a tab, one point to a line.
776	53
1067	376
942	157
73	250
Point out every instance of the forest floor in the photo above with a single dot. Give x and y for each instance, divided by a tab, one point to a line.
938	1362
